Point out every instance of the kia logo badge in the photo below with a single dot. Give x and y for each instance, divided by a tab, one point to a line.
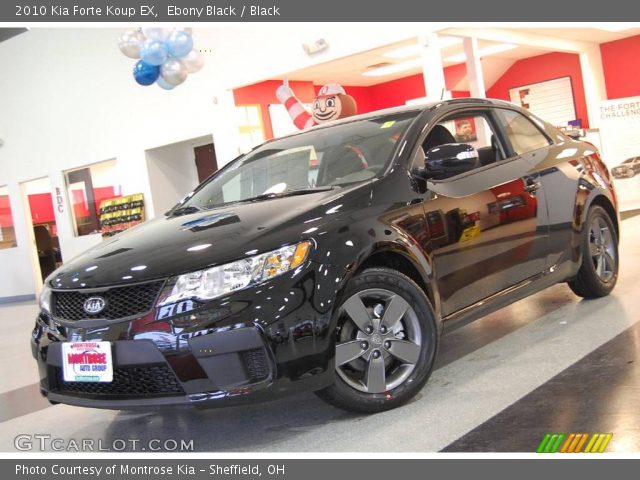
93	305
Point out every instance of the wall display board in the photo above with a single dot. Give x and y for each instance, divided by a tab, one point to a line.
119	214
551	100
620	137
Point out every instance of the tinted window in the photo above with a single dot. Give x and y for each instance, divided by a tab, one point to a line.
470	128
523	134
336	155
87	187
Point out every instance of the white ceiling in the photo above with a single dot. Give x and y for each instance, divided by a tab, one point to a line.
348	70
596	35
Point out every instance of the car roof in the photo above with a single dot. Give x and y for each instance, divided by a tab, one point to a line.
430	105
427	105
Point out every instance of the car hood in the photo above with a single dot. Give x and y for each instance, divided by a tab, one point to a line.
167	246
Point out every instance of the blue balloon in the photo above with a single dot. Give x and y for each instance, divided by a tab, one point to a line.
179	44
153	52
145	74
163	84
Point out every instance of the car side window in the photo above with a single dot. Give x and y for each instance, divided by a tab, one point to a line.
471	128
522	133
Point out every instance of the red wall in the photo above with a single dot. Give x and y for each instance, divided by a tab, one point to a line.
621	62
41	207
396	92
540	68
6	219
80	206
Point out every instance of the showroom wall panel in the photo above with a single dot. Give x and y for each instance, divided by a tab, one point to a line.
621	67
539	69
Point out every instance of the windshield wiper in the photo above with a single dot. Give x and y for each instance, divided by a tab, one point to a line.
290	193
185	210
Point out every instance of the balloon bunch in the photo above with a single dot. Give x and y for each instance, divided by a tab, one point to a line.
166	55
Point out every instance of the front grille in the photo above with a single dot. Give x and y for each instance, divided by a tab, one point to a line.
120	301
128	382
257	365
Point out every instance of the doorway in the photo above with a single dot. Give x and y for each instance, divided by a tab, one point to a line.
42	228
176	169
206	163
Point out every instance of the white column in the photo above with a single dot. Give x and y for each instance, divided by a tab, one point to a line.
432	68
474	67
593	81
226	133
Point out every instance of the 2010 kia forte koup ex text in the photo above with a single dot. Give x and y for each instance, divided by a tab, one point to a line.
331	260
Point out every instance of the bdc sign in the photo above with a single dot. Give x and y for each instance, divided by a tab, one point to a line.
59	201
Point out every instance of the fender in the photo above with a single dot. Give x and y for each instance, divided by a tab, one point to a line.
595	187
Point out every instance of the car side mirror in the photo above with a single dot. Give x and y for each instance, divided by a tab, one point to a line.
448	160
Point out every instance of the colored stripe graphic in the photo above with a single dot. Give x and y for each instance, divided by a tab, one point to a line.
567	442
581	443
598	443
543	443
556	445
574	442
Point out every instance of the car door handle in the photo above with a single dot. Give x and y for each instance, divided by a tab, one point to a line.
531	186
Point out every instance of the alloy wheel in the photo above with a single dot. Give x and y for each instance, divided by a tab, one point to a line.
602	249
379	340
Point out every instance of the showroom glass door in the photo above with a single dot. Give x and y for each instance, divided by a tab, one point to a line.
486	228
43	230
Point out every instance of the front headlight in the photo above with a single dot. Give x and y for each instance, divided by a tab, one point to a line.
44	300
223	279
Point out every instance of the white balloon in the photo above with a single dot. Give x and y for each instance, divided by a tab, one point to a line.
173	72
193	61
159	34
129	43
162	83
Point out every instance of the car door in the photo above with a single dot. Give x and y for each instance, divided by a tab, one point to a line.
486	228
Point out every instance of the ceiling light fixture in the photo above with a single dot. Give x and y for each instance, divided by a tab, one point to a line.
483	52
413	50
616	27
393	68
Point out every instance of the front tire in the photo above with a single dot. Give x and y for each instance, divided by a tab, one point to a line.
598	272
386	341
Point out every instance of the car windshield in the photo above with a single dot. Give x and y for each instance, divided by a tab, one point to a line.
310	161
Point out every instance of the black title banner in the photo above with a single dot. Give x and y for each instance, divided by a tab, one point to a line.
30	11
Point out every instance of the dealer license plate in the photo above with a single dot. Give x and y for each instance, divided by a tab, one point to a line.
87	362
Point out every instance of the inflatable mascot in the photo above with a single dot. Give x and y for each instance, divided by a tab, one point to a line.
331	103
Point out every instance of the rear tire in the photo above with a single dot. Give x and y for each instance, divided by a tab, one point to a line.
386	342
598	272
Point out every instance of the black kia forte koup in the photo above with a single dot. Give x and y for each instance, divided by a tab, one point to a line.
332	261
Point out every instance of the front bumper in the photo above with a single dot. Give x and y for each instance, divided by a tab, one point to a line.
254	345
